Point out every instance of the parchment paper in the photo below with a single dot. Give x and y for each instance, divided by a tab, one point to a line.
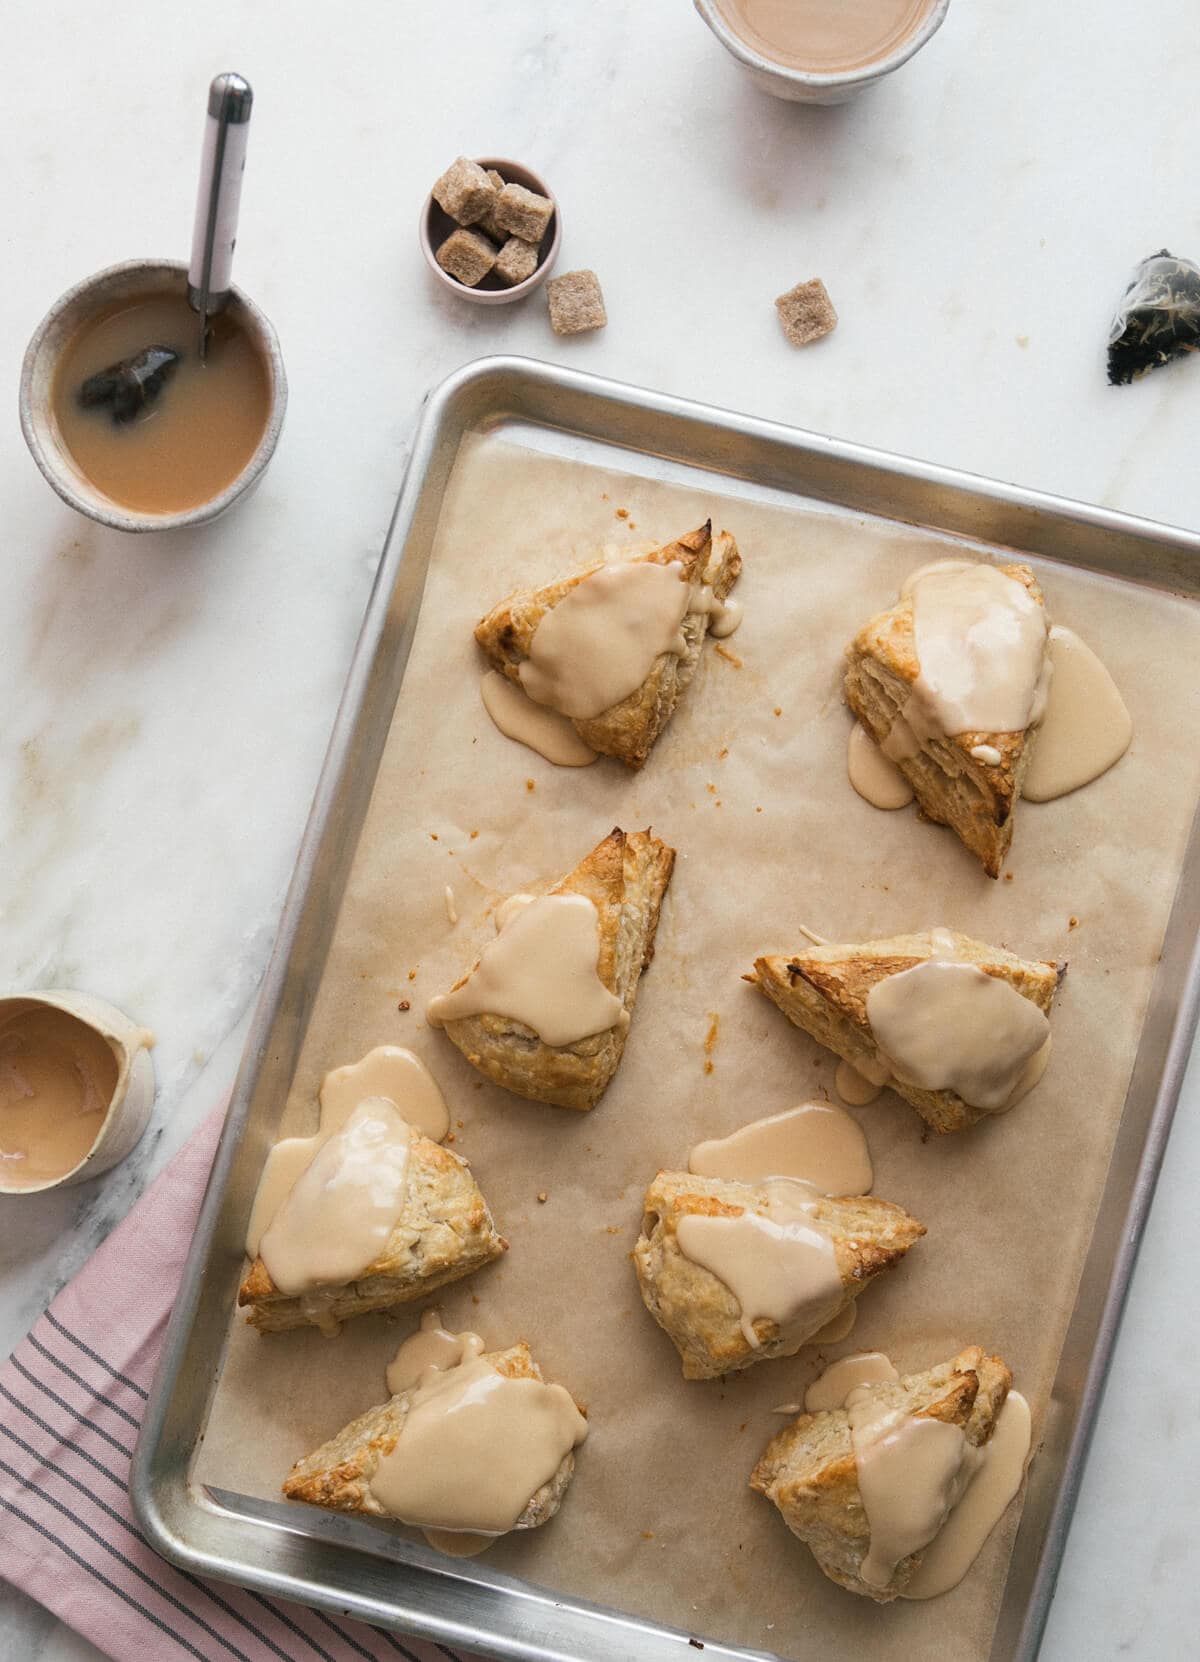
749	784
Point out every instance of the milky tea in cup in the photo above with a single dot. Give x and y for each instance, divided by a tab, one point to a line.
145	420
825	37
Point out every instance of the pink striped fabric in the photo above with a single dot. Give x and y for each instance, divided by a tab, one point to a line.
71	1401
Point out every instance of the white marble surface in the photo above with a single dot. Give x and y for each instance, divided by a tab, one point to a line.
166	702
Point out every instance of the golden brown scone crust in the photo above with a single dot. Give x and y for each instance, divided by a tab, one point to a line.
444	1232
338	1474
824	990
699	1312
625	877
808	1470
975	799
628	730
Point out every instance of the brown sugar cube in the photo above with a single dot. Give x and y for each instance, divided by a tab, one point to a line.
576	303
516	261
465	191
523	212
487	220
467	256
806	312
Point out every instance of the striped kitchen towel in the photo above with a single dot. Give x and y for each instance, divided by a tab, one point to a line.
71	1400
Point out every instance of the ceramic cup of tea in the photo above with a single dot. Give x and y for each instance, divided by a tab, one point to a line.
76	1090
822	51
126	421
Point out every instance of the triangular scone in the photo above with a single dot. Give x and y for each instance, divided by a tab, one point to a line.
338	1474
625	877
701	1315
628	730
809	1471
444	1232
976	799
824	990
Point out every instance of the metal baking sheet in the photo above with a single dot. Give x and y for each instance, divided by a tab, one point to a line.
339	1563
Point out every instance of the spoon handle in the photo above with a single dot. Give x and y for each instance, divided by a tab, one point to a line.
222	165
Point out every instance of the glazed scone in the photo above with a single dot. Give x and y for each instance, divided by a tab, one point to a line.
702	1316
810	1473
625	877
629	728
824	990
444	1232
975	797
338	1474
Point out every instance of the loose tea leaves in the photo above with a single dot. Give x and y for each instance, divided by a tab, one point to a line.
1158	318
131	384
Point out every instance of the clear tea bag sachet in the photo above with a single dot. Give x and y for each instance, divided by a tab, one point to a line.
1158	318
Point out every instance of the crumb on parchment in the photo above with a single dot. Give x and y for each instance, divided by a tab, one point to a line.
403	1005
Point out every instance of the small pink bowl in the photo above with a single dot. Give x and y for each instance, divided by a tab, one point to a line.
435	226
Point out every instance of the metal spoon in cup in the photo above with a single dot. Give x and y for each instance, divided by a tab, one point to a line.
222	164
